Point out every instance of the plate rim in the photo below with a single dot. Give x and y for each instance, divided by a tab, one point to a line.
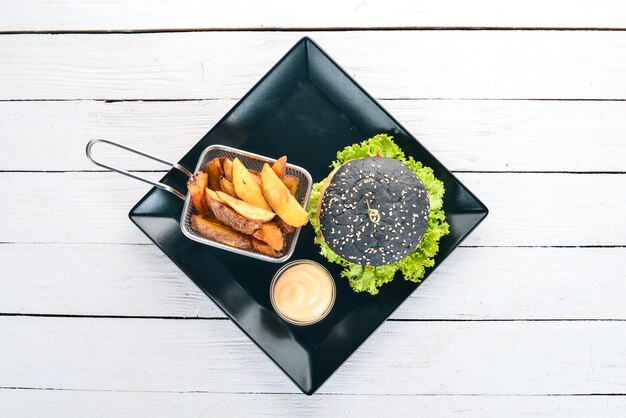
483	210
216	244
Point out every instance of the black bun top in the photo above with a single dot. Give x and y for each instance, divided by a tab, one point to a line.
355	232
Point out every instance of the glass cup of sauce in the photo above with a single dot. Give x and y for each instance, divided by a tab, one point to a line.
302	292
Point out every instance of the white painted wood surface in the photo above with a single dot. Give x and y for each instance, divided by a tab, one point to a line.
431	64
466	135
76	15
82	403
526	319
500	358
526	209
474	284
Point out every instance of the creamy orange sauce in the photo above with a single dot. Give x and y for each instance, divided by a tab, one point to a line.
303	292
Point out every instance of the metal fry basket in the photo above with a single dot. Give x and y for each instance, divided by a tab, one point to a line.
251	161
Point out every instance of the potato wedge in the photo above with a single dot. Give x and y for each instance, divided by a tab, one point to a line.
196	187
246	187
256	177
281	200
228	187
220	233
209	216
214	170
227	167
280	166
292	183
213	195
272	235
263	248
245	209
287	229
232	219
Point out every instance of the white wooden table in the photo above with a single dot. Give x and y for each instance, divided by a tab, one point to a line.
526	102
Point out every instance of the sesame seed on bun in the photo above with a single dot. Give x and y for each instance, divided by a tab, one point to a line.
373	211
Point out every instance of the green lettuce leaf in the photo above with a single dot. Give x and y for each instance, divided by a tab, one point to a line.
413	266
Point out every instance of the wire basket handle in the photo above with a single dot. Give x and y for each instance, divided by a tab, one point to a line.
161	186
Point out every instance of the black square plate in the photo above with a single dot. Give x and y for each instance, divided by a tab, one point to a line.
308	108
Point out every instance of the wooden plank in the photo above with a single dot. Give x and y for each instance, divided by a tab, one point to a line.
68	15
52	403
165	129
523	283
70	207
389	64
523	358
526	209
540	209
117	280
468	135
474	283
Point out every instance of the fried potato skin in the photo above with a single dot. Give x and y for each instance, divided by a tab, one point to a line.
220	233
214	170
263	248
231	205
256	177
232	219
272	235
245	209
291	182
196	187
228	187
281	200
213	195
227	167
280	166
246	187
285	227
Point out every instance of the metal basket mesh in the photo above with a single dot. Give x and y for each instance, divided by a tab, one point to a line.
255	163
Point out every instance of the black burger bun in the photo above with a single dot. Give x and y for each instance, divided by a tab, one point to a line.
349	199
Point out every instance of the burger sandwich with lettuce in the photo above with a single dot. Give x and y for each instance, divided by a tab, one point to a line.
378	212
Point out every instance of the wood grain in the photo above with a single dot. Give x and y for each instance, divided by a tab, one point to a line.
389	64
61	404
523	358
473	284
525	209
68	15
468	135
500	330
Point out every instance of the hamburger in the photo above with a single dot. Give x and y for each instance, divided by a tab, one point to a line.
373	211
377	213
